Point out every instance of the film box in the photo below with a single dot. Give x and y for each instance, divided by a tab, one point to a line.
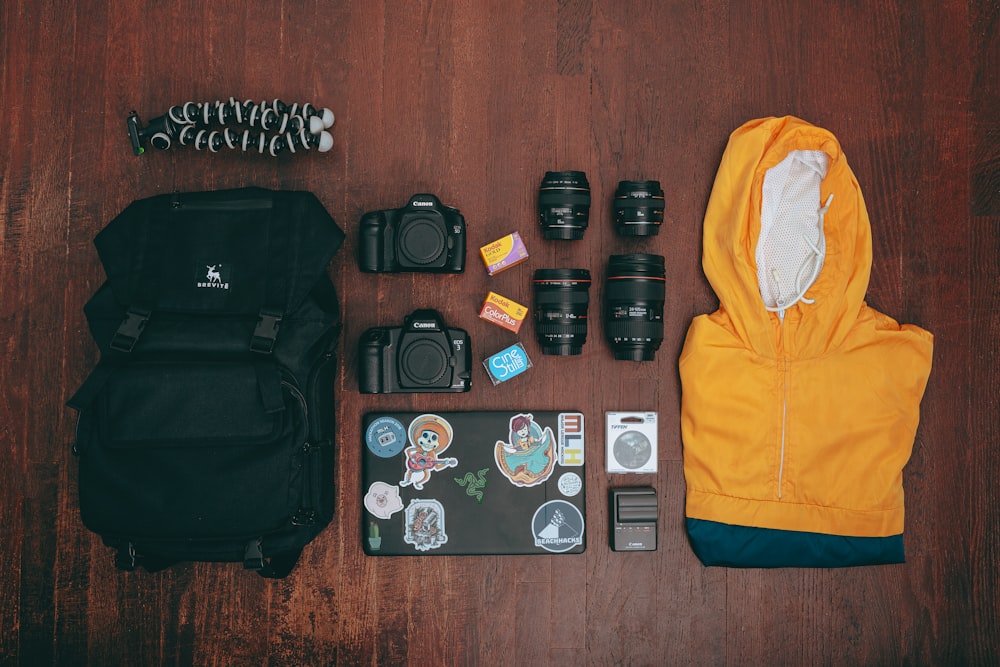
507	363
503	312
503	253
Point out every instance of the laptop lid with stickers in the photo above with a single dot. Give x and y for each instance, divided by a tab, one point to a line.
473	483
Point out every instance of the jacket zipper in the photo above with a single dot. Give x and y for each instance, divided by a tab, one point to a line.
783	360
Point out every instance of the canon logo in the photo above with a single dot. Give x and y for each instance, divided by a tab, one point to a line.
424	325
423	203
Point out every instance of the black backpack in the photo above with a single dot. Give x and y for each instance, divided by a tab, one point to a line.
206	431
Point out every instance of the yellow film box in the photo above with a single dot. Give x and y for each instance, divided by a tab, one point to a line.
503	312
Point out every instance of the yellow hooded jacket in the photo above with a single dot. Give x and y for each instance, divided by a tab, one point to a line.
800	403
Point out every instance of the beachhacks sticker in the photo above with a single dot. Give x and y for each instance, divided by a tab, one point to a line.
383	500
557	526
528	456
424	525
429	436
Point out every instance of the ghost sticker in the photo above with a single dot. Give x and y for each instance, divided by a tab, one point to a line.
527	458
429	436
383	500
424	525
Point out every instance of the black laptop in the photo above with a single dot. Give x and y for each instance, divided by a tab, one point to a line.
467	483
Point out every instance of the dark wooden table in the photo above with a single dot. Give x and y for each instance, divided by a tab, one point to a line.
474	101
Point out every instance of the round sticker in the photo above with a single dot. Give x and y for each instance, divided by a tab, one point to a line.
557	526
570	484
385	437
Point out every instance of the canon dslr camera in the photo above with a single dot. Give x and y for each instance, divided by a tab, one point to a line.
425	235
421	356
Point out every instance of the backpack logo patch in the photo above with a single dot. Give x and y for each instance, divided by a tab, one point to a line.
213	276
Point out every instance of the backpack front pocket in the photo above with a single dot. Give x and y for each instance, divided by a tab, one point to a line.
164	446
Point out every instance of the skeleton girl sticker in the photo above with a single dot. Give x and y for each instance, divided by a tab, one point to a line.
528	457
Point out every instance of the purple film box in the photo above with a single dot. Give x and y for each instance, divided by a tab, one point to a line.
503	253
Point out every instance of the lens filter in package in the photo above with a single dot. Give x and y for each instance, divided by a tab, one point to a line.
631	442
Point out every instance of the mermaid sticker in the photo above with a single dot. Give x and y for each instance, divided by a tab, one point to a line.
527	458
429	436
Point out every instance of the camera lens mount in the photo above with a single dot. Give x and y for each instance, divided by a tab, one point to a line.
423	362
422	241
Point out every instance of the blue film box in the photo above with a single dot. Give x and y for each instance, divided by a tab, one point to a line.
507	363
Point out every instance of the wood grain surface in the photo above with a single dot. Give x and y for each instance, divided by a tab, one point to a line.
474	101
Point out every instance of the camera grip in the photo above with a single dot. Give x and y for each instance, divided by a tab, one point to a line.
371	369
371	243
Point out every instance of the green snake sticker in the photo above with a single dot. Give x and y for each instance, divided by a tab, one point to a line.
474	484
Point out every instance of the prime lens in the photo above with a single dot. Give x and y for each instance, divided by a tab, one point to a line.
633	313
638	208
561	300
564	205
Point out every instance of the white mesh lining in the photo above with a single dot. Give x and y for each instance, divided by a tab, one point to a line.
790	220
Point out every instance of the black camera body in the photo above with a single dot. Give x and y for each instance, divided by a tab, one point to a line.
422	356
425	235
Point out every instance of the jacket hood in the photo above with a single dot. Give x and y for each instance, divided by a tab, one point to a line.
777	247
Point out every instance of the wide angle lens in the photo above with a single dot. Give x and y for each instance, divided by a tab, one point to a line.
564	205
638	208
633	313
561	300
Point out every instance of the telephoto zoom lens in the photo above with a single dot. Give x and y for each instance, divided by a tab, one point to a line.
561	300
564	205
633	315
638	208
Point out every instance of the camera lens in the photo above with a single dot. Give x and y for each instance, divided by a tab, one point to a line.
633	313
564	204
638	208
561	300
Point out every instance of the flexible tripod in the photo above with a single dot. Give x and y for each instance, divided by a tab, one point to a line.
268	127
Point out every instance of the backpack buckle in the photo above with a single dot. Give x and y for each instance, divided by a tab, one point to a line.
130	329
266	331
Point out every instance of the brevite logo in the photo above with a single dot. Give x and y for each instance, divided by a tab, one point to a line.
213	278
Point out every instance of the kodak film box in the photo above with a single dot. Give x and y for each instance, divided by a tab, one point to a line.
503	253
503	312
